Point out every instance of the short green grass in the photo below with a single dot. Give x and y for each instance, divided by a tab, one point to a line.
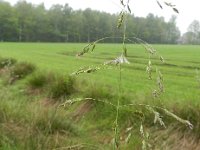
179	69
56	128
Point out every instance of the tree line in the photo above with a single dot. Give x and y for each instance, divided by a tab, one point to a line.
192	36
26	22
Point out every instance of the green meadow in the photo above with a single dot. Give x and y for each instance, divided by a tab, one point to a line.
31	115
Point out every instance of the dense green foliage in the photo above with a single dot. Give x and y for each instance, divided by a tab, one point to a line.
193	34
27	22
21	70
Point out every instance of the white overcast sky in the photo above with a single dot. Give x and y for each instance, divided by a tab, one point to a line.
189	9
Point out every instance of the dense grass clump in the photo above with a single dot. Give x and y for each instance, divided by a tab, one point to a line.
56	86
38	80
7	62
61	87
20	71
98	91
52	121
38	126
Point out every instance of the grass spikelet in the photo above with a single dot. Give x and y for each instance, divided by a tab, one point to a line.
119	60
88	48
162	59
86	70
121	19
124	50
149	70
122	2
157	117
160	82
185	122
145	138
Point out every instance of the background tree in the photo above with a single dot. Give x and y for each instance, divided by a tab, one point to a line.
173	33
8	22
194	28
33	23
25	20
192	36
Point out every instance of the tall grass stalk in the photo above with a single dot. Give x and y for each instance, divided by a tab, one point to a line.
119	61
116	129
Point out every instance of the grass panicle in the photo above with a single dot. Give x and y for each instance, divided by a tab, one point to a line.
122	59
49	120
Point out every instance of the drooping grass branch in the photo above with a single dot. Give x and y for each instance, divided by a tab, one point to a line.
155	110
122	59
72	101
91	46
157	116
150	108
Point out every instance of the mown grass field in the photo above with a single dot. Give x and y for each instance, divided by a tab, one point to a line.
34	118
179	69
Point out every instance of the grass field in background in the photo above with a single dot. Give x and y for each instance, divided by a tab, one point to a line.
32	118
179	69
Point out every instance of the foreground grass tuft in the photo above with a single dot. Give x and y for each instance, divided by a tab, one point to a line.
7	62
61	87
31	125
38	80
20	71
98	91
55	86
